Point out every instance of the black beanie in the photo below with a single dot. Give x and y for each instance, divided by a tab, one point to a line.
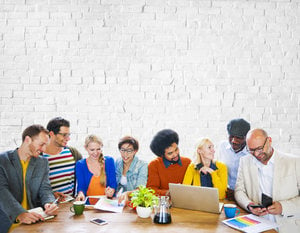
162	140
238	127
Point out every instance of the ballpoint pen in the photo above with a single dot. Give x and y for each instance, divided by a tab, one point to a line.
118	195
120	192
56	201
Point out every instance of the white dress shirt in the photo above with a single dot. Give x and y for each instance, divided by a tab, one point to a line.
232	161
265	176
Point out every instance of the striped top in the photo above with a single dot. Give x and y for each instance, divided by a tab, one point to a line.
62	171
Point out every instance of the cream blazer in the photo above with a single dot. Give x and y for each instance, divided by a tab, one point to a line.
286	188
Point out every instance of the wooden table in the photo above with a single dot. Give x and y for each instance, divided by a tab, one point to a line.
183	221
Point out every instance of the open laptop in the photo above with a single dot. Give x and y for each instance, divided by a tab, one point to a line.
195	198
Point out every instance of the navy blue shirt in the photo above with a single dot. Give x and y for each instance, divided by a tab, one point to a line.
167	163
206	179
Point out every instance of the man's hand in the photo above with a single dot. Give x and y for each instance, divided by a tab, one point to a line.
257	211
60	195
51	209
28	218
275	208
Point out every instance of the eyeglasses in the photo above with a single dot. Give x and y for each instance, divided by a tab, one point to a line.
128	151
65	135
257	150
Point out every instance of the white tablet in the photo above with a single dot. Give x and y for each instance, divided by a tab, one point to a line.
90	201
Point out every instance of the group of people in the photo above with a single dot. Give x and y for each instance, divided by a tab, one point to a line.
44	168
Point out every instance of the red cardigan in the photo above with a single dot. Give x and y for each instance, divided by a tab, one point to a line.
159	176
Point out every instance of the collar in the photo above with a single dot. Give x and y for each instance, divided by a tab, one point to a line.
212	166
242	152
167	163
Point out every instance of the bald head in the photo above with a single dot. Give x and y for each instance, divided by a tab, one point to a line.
259	145
256	133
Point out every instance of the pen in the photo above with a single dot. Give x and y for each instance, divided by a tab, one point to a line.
56	200
120	192
118	195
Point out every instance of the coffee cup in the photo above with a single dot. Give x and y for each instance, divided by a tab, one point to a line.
231	210
77	207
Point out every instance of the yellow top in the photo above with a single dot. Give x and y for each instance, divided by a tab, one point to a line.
219	178
24	203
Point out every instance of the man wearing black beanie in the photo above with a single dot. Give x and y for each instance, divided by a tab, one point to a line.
169	166
232	150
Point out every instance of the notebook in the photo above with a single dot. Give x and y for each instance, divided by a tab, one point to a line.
39	210
195	198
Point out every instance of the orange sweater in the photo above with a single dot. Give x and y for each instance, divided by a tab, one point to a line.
159	176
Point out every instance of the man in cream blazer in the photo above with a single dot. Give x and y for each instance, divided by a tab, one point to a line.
274	174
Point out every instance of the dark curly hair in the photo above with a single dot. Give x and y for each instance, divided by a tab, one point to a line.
162	140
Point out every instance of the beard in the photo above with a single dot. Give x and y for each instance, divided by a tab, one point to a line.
263	157
237	147
172	161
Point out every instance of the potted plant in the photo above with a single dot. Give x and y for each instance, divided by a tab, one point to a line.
143	199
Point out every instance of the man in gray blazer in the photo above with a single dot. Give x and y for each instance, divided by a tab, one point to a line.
24	179
272	173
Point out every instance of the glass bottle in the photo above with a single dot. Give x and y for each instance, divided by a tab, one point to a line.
162	211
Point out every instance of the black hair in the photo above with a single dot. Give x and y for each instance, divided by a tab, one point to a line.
55	124
162	140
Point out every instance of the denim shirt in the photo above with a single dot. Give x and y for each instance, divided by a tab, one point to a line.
136	175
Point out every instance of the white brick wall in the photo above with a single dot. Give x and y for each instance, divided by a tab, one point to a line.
116	67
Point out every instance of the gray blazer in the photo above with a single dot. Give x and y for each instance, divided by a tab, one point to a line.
38	187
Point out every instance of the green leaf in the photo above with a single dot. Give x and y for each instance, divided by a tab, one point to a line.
144	197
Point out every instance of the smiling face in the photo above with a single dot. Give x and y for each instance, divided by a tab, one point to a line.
62	137
94	150
207	151
127	153
37	144
172	153
259	145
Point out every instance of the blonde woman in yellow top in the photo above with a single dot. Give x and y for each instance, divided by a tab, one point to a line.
205	171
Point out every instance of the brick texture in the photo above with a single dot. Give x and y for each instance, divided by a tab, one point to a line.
137	66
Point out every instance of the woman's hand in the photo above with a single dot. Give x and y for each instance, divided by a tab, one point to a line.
80	197
206	170
124	197
109	192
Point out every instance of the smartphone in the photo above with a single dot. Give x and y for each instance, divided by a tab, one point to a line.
98	221
257	206
266	200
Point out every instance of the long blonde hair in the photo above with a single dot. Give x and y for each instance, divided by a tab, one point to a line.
94	138
199	145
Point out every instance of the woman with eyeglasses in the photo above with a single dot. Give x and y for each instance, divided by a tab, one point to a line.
131	172
96	174
206	171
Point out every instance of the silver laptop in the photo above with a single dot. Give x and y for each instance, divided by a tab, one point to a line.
195	198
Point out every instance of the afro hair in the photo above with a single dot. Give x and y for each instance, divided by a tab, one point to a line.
162	140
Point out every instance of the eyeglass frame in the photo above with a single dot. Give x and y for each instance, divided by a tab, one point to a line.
257	149
65	135
128	151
